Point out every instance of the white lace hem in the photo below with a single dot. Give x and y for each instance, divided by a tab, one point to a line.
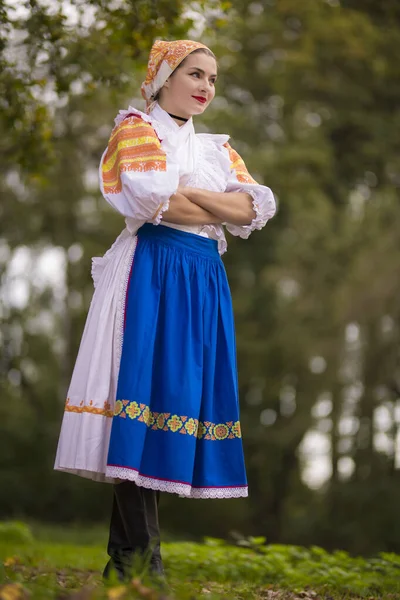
184	490
263	205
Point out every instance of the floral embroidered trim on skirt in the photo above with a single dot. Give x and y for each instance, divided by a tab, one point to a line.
176	425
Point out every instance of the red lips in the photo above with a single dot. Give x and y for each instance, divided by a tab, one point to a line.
200	99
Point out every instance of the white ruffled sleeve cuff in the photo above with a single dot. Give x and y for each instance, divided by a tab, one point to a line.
263	205
156	220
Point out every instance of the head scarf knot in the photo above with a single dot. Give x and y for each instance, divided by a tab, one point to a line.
163	60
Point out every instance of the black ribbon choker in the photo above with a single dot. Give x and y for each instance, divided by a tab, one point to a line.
179	118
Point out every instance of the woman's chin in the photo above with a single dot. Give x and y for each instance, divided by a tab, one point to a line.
198	111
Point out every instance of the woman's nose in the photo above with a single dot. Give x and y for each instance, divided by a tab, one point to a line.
206	86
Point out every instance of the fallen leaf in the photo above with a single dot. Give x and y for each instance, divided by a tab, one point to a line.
142	590
11	561
145	592
13	591
116	593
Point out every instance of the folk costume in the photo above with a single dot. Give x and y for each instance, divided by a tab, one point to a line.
153	398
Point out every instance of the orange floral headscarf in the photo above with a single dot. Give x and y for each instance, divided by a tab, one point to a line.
163	60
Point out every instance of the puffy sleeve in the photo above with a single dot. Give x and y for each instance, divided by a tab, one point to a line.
136	176
240	180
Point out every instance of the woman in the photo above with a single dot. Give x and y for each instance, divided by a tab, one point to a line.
153	401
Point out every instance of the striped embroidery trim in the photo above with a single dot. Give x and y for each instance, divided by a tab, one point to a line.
177	424
152	163
122	144
132	127
130	123
237	163
133	146
106	411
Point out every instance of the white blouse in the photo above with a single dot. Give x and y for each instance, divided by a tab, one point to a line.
180	157
147	158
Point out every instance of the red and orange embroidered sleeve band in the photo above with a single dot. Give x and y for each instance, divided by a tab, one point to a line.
133	146
238	165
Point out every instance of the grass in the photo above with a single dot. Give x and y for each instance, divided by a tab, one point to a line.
41	563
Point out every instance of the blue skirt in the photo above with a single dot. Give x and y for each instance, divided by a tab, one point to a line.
176	424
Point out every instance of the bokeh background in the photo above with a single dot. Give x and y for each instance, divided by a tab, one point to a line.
310	93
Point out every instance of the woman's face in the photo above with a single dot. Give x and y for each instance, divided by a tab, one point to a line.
195	78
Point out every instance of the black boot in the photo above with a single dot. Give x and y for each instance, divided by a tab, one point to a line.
134	530
151	500
119	548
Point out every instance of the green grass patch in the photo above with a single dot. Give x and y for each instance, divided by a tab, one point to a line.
36	568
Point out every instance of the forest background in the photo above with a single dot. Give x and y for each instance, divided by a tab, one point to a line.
310	94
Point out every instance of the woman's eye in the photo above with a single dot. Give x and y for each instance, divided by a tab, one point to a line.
198	75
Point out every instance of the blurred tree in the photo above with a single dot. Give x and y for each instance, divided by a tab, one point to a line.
311	98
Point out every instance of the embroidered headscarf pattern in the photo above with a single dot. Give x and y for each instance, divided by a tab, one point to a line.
163	60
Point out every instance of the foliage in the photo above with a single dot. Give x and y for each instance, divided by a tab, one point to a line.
252	570
15	532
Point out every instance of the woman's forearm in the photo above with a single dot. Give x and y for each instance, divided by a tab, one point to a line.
184	212
231	207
